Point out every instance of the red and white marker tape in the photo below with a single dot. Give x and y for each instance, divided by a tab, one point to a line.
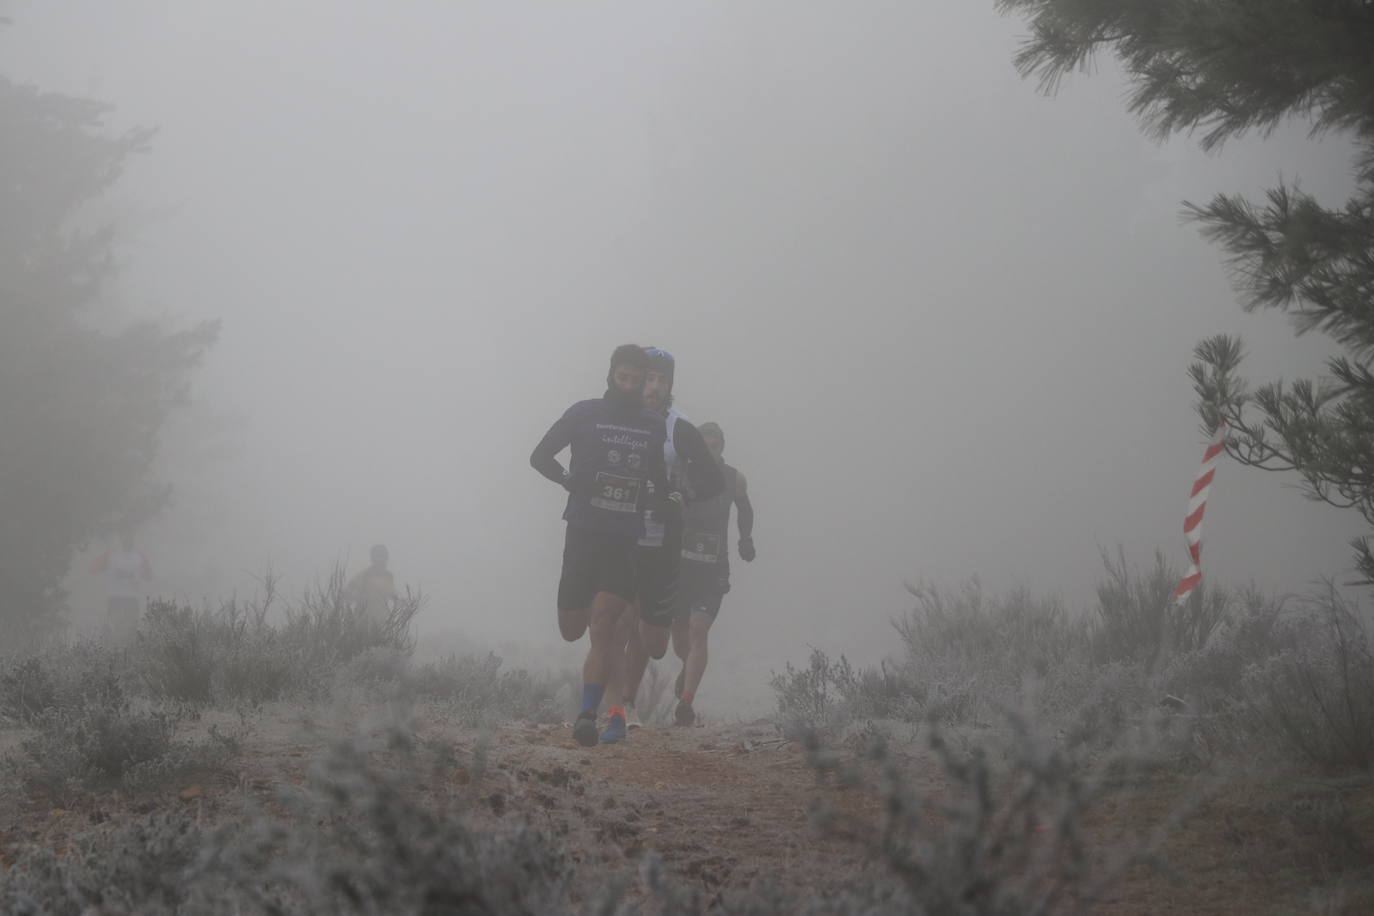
1197	505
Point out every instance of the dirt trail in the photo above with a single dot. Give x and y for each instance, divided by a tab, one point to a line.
720	805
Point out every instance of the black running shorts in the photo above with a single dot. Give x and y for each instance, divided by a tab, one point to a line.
657	578
701	588
595	562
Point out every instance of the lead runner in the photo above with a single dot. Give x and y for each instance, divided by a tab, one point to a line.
616	463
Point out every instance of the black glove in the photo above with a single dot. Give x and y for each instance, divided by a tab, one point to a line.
746	549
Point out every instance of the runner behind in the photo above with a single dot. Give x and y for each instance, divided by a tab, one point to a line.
706	571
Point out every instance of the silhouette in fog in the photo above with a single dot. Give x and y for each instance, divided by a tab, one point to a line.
615	473
693	474
125	573
705	578
373	591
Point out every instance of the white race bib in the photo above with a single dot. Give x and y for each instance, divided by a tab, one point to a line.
701	547
615	493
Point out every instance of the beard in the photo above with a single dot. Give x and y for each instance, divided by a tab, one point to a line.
623	398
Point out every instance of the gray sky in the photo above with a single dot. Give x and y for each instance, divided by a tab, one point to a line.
943	319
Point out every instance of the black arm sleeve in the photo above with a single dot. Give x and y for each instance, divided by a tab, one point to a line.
703	470
744	515
543	459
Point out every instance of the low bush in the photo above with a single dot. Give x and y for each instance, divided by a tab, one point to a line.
817	699
1005	832
475	691
146	866
1314	693
967	655
1246	673
107	740
1138	619
237	653
58	679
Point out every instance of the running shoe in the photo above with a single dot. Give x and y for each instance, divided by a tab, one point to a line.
685	714
632	717
615	728
584	729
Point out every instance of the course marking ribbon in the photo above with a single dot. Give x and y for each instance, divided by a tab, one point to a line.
1197	505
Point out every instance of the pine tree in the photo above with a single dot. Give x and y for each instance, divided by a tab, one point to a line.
82	400
1218	69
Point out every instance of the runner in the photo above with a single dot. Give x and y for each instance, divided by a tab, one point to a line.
693	471
615	475
706	571
127	572
373	591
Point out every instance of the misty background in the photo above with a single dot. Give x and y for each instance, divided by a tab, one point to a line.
943	319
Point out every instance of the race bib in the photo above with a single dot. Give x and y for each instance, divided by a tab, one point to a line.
701	547
615	493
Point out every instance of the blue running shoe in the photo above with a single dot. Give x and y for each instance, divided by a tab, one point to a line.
584	729
615	728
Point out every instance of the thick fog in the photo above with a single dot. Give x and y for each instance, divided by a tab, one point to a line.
943	319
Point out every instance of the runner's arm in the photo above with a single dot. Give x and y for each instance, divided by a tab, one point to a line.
543	459
744	509
703	471
744	518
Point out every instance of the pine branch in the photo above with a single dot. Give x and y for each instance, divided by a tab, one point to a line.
1222	67
1296	256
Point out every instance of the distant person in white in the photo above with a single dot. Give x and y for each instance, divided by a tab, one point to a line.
126	573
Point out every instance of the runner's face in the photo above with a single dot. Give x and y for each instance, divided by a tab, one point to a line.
656	390
715	445
628	379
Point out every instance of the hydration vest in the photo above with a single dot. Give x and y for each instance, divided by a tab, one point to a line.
706	525
655	531
677	468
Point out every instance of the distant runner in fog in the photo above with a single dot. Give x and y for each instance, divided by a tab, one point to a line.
126	573
615	473
705	575
373	591
693	474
